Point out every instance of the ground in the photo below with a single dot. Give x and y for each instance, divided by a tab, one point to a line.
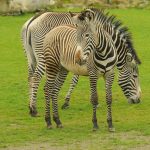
20	131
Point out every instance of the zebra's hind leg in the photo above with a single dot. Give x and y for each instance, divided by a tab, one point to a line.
30	75
108	83
57	86
73	83
52	70
32	108
47	92
35	80
94	98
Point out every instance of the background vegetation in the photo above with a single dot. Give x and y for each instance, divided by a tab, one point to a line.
19	131
16	7
105	3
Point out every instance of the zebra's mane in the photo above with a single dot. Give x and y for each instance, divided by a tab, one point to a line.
107	20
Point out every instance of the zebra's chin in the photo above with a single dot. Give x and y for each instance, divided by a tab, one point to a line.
134	101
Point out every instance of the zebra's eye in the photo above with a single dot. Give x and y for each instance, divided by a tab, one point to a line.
87	35
135	76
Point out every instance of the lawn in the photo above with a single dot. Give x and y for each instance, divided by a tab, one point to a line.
20	131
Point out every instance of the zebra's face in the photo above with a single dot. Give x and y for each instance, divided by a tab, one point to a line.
86	35
86	40
129	82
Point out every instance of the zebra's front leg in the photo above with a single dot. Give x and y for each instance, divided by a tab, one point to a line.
73	83
56	88
108	84
94	98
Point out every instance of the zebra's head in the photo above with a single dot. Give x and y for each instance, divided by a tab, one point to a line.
86	36
129	80
86	41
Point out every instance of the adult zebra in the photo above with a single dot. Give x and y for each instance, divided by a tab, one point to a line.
33	32
90	23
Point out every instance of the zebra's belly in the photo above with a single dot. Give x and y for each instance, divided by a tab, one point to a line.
76	69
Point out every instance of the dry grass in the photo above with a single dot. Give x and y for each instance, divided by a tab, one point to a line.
101	142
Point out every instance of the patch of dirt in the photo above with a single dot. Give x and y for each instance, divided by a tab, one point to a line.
105	142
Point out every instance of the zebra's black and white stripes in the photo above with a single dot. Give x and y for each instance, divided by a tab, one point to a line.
59	52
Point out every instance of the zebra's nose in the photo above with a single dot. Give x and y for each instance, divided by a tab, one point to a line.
78	55
134	101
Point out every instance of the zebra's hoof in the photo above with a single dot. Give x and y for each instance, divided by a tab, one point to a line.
33	113
98	106
111	129
95	128
59	126
49	127
65	106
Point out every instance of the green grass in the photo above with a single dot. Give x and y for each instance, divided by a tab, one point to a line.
17	128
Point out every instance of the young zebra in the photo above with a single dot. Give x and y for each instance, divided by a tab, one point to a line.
89	39
33	32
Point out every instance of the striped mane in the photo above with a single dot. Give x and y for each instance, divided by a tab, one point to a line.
109	21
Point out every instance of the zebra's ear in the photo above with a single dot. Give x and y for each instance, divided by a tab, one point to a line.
89	14
72	14
75	18
86	15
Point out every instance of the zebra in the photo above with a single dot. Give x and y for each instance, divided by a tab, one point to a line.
60	53
33	33
89	40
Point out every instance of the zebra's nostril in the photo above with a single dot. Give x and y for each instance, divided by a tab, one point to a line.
138	101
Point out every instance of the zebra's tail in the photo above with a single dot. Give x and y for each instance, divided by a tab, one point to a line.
26	40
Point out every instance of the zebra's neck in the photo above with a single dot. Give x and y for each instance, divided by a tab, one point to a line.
105	54
120	43
118	34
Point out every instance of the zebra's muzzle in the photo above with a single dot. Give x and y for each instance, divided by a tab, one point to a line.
79	59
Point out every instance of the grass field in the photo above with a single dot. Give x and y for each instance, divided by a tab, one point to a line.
19	131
